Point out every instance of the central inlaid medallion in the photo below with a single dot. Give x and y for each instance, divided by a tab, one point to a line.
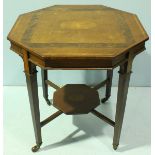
78	25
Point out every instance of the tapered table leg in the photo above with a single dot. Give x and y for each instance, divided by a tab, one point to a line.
124	78
44	75
32	86
108	86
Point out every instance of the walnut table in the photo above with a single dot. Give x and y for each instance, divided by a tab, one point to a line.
77	37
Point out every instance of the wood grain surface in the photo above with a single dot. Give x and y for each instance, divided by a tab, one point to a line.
75	32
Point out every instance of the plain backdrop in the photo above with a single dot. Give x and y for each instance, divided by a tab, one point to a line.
13	65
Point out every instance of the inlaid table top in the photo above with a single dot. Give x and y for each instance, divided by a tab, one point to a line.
66	36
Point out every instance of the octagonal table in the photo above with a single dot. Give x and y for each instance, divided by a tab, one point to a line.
77	37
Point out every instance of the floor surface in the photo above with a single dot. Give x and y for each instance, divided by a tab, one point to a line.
80	134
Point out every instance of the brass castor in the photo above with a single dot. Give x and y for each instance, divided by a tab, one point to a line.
115	147
36	148
48	102
104	99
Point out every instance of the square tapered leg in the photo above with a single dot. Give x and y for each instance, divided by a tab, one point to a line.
32	87
44	75
108	86
124	78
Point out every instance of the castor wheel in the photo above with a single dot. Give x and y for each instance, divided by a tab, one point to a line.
115	147
104	99
36	148
48	102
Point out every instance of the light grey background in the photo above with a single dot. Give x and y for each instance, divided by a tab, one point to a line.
13	65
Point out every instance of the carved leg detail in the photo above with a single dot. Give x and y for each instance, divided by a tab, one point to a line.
44	75
108	86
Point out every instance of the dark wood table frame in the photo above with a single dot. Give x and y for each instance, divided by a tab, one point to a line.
81	37
31	78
